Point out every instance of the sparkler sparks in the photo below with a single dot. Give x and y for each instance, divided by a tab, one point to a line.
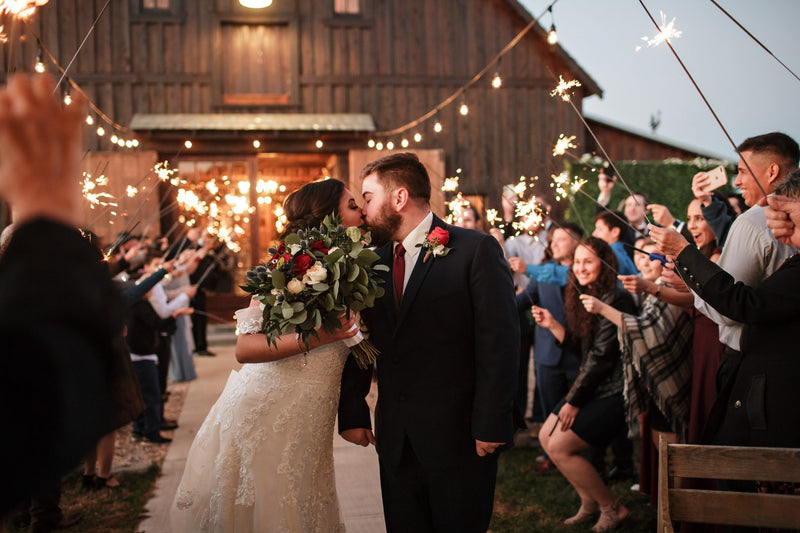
530	216
20	8
450	184
666	32
455	206
563	87
564	186
165	173
88	186
563	144
131	191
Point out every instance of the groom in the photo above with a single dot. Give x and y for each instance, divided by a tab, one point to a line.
448	334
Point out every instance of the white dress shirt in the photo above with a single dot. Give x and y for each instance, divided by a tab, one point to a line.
415	237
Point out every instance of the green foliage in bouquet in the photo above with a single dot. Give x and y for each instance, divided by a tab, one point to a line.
313	277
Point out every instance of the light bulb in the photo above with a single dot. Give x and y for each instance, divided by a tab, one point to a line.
371	143
89	120
390	145
114	139
319	143
552	36
417	137
256	144
497	81
67	99
437	127
379	146
101	131
188	144
404	143
464	110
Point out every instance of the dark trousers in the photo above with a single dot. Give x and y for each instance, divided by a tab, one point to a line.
420	500
149	422
199	321
164	354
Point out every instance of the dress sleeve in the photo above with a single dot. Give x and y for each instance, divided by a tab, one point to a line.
249	320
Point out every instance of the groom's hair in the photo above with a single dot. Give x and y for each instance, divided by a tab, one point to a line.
401	170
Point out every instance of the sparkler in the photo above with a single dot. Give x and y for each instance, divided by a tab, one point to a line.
131	191
564	186
563	87
530	216
20	8
666	32
450	184
88	185
455	206
563	144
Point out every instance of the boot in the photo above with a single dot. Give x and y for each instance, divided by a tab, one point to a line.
612	517
585	513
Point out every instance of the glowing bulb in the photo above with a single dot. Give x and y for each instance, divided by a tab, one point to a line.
188	144
319	143
371	143
404	143
128	144
390	145
101	131
497	81
552	36
135	143
379	146
89	120
417	137
114	139
464	110
121	142
437	127
67	99
39	66
256	144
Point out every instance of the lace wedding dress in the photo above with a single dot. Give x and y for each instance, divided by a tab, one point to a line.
263	459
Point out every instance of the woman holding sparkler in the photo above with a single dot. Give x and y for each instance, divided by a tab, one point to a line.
593	412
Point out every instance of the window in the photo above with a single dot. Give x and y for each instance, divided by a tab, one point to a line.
346	7
156	4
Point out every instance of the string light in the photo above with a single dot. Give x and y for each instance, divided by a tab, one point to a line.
371	143
437	126
67	98
404	143
89	120
100	131
464	110
39	66
379	145
256	144
497	81
319	143
114	139
188	144
390	145
552	36
417	137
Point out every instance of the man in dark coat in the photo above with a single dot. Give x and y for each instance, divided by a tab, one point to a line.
447	330
57	312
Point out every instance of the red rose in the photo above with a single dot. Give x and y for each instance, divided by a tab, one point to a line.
439	236
302	263
319	246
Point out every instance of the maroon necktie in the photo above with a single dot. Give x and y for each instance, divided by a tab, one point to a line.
399	271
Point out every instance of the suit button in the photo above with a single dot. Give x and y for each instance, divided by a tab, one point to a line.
697	285
691	277
685	269
737	404
403	397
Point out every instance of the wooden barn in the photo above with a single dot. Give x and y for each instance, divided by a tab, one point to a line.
247	104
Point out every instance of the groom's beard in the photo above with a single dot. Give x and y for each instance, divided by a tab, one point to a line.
385	226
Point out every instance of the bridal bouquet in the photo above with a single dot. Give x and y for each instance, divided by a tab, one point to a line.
312	278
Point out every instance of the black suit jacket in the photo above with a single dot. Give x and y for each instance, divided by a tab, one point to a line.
758	405
58	318
447	370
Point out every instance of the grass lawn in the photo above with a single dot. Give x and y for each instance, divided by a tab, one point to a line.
116	510
530	503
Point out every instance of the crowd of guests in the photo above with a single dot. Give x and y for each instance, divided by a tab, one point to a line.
653	325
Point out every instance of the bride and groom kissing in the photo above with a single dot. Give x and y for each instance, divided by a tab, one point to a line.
446	329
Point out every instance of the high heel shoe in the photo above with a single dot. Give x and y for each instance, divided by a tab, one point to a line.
612	517
585	513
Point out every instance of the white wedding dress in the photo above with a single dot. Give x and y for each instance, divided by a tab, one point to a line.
263	459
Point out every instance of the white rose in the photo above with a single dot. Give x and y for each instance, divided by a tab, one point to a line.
439	250
294	248
315	274
295	286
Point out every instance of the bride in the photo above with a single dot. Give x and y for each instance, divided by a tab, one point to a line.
263	459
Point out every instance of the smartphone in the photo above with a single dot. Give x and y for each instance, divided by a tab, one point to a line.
716	179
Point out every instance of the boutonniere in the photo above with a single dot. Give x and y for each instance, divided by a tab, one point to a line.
434	243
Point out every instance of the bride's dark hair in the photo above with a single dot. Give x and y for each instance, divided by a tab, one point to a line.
308	206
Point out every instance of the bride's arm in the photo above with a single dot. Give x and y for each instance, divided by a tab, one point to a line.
254	348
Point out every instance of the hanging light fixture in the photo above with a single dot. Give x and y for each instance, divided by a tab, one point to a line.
255	4
464	110
552	36
497	81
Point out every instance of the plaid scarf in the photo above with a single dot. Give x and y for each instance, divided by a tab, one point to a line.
657	362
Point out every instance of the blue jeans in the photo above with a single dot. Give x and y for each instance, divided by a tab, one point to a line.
149	422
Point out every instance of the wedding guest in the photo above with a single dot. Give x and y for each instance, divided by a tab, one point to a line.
468	217
54	386
612	227
751	253
757	406
593	411
181	364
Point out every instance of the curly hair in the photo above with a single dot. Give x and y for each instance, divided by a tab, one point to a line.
580	321
308	206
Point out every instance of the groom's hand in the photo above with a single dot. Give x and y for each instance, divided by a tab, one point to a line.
485	448
360	436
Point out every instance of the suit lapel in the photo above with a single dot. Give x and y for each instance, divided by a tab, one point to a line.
421	269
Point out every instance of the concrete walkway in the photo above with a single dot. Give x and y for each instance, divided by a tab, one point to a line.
357	478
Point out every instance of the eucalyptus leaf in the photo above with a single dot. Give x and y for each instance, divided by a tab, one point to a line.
352	271
297	306
321	287
292	238
317	318
357	306
381	268
367	257
357	247
334	256
286	310
299	318
278	279
335	289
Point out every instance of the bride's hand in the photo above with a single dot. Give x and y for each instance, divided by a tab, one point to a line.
347	330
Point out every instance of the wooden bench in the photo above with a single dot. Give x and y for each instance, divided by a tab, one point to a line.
726	507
